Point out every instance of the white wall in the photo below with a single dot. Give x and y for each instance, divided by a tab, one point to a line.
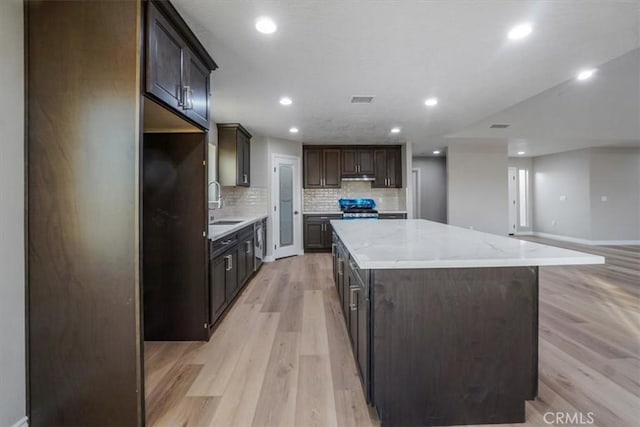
477	194
12	267
615	174
433	187
561	202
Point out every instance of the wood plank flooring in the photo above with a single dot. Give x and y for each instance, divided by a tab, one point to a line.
282	356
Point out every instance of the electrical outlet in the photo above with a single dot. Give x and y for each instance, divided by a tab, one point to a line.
603	198
553	222
563	198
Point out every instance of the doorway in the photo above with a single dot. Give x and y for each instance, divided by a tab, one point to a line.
415	176
285	197
513	199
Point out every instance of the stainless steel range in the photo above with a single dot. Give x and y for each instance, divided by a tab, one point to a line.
358	208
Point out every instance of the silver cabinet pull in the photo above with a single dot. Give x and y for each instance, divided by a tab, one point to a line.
187	102
226	242
248	245
333	249
352	304
340	267
229	259
180	91
245	179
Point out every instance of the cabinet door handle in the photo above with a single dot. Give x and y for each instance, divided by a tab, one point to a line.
245	179
225	242
333	249
248	245
229	259
340	267
180	91
352	304
187	98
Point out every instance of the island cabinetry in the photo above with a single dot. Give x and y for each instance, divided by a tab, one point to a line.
177	67
388	168
321	168
318	232
234	155
357	162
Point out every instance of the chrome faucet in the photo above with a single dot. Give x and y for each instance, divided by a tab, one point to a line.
218	202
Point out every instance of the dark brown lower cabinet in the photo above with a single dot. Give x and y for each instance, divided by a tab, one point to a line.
318	232
231	265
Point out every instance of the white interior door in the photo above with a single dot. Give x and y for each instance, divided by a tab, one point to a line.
415	176
513	200
286	208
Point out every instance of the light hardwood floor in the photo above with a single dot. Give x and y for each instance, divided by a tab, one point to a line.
282	357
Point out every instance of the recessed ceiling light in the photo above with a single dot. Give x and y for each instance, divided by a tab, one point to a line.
285	100
520	153
293	130
431	102
520	31
586	74
265	25
436	152
395	130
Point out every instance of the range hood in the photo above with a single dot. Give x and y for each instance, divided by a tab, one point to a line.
359	178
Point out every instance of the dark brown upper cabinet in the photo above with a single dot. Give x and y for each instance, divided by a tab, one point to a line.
321	168
388	168
357	162
177	66
234	155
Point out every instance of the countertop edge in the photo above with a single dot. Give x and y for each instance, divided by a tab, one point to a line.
245	222
471	263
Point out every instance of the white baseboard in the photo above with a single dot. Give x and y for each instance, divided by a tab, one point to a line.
585	241
23	422
523	233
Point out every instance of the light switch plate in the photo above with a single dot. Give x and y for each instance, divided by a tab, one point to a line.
603	198
563	198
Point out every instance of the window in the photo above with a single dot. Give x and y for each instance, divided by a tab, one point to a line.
523	194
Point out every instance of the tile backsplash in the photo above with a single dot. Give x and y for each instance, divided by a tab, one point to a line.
241	201
326	199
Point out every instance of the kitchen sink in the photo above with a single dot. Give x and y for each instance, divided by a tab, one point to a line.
221	222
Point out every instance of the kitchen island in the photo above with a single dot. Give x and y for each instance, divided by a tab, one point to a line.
443	320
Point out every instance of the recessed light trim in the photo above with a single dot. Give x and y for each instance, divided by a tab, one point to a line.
431	102
521	153
520	31
294	130
586	74
285	100
395	130
436	152
265	25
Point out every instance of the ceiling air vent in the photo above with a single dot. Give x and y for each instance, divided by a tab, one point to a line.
362	99
498	126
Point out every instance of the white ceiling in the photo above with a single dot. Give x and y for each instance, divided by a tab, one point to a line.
404	52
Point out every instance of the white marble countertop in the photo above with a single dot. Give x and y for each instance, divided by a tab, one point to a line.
217	231
417	243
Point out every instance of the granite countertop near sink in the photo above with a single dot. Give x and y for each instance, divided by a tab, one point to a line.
418	243
217	231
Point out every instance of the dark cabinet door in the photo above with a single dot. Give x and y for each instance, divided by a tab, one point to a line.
380	163
241	266
314	234
349	162
365	162
245	142
231	273
217	286
331	168
313	168
195	101
363	339
327	236
394	168
165	59
245	260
